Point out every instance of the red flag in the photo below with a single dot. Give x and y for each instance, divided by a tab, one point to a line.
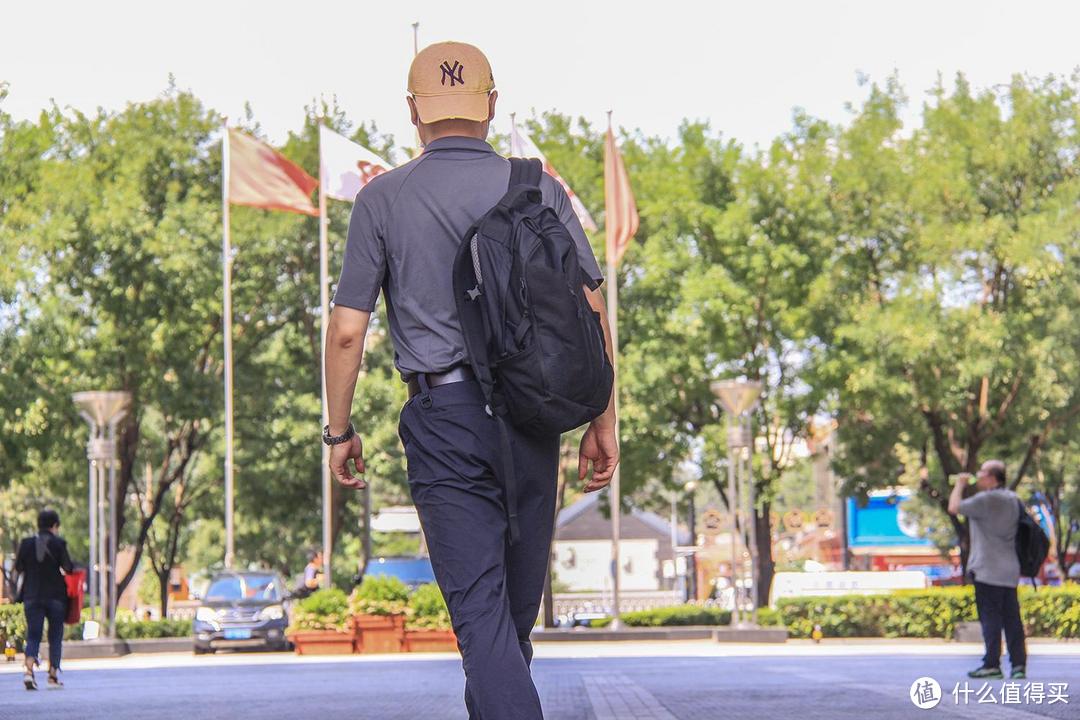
621	215
262	177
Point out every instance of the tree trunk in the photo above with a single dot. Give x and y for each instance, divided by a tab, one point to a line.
766	566
163	591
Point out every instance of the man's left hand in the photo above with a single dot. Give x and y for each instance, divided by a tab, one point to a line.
600	447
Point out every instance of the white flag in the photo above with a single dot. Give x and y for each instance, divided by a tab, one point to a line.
521	145
346	166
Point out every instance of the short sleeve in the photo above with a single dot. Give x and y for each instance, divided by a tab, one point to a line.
364	267
555	196
975	506
20	558
65	557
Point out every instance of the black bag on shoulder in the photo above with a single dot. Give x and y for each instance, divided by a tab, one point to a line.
1032	545
533	341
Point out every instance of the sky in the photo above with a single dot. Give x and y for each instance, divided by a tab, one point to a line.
743	67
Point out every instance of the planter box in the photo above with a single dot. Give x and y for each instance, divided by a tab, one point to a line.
379	633
322	642
430	641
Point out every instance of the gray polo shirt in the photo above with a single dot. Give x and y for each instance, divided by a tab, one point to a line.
404	232
992	518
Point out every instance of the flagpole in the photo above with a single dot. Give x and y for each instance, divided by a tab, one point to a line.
613	492
226	267
324	303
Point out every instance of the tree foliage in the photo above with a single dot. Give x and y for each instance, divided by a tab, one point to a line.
916	284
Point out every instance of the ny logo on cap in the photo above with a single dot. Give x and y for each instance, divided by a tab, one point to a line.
454	73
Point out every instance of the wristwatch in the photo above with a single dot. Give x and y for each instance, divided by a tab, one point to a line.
337	439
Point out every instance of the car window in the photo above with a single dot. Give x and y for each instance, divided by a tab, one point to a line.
225	588
244	587
261	587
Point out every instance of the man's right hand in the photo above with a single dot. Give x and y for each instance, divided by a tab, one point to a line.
339	463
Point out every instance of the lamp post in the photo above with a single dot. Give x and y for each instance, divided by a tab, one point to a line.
103	410
737	397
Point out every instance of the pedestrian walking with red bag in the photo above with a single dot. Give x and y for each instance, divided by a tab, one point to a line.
43	561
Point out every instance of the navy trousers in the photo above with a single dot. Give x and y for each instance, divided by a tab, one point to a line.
999	608
37	611
492	589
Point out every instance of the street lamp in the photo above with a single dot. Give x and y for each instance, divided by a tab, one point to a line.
103	410
737	397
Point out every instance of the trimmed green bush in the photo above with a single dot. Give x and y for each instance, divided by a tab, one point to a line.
326	609
427	609
12	626
930	613
677	615
379	595
767	617
146	629
128	628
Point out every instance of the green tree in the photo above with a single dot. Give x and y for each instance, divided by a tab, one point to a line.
948	304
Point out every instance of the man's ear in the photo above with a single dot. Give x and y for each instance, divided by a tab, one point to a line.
492	97
414	114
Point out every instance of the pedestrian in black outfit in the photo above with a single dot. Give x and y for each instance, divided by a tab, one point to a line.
406	228
44	593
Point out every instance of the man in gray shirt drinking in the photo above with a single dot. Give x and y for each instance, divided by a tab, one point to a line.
993	566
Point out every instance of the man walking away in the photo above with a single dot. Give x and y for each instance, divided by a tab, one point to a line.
44	593
404	235
993	513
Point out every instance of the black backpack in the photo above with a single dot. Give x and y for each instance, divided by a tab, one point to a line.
532	339
1032	545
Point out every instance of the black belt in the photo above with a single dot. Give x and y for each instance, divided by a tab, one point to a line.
422	382
459	374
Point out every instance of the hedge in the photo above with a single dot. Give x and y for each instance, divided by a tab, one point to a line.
427	609
930	613
671	616
137	629
325	609
12	626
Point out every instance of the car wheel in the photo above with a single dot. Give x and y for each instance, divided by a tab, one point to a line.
202	651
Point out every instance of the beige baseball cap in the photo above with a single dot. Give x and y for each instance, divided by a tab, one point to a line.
451	80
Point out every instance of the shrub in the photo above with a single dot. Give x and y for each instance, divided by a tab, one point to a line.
12	626
767	617
427	609
326	609
677	615
128	628
379	595
145	629
930	613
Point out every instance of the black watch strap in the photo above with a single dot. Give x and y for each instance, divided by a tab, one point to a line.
337	439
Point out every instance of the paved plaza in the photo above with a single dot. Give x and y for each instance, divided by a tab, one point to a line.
648	681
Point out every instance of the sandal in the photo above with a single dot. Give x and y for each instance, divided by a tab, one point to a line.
54	679
29	681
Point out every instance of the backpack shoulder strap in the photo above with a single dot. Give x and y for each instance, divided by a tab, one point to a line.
525	171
